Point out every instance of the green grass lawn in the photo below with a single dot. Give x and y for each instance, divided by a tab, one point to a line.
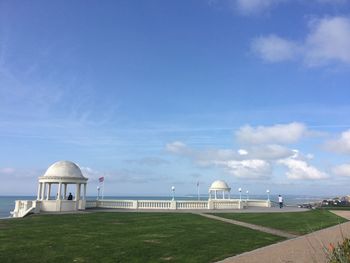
335	208
296	223
124	237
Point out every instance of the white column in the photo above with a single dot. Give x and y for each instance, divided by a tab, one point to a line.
84	197
48	192
77	192
59	191
223	194
43	191
215	194
39	191
65	192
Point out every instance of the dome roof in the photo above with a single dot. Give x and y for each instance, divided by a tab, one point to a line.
220	185
65	169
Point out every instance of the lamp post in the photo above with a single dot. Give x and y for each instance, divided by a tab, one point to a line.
268	194
240	194
247	192
98	193
173	189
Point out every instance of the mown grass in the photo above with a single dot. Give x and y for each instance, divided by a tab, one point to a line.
124	237
334	208
292	222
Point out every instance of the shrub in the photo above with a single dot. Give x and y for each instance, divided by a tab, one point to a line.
340	253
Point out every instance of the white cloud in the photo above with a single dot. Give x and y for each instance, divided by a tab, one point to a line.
7	171
248	7
328	41
270	152
177	148
274	49
342	170
248	169
242	152
301	170
280	133
340	145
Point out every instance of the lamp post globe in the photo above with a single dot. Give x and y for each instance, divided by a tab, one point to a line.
240	193
247	192
268	194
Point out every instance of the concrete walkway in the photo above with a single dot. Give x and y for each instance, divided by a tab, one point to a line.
251	226
304	249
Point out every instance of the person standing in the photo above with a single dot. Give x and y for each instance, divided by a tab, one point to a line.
280	201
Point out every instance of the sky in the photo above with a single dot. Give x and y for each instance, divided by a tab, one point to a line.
153	94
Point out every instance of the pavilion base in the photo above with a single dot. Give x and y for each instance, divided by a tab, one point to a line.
25	207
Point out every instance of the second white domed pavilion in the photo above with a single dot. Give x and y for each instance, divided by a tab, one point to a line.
60	175
219	189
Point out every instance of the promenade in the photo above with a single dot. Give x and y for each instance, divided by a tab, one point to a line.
304	249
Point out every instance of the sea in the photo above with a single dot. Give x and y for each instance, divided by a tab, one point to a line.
7	203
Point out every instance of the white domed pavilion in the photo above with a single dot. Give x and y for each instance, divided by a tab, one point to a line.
62	174
219	187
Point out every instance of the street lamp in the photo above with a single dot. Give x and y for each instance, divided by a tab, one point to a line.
268	194
173	189
240	194
247	192
98	193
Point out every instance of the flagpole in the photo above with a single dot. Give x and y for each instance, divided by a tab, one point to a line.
103	189
198	190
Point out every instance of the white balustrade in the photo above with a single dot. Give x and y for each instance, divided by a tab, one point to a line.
24	207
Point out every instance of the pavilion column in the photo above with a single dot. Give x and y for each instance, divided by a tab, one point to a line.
39	191
43	189
65	191
84	196
77	193
223	194
48	192
215	196
59	191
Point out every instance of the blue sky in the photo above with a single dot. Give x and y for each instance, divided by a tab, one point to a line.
152	94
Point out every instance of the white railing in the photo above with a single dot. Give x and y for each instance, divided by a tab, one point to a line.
91	204
114	203
222	204
23	207
192	205
176	205
153	204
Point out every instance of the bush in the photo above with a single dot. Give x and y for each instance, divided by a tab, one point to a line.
340	253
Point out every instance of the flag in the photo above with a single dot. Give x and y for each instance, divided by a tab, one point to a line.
101	179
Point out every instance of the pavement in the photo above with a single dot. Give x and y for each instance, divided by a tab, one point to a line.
309	248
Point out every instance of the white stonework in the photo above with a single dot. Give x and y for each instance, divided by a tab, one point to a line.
59	175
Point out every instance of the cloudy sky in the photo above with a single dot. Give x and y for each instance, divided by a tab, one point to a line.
152	94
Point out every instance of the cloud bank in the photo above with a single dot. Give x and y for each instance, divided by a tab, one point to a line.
327	42
262	153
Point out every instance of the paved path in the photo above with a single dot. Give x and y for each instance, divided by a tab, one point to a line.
341	213
252	226
305	249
